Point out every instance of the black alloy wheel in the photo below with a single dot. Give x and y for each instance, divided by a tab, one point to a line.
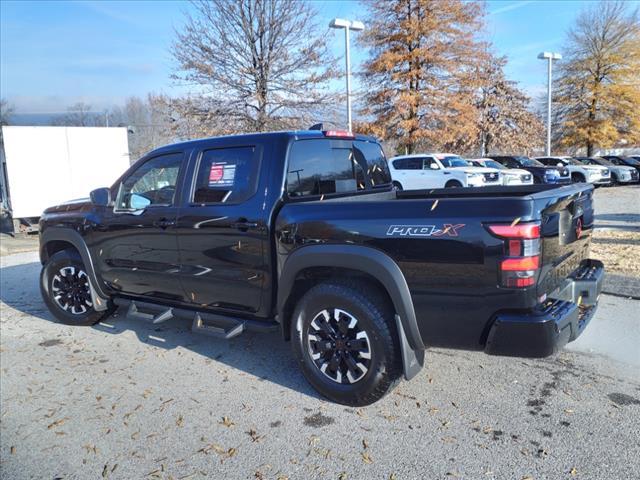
339	348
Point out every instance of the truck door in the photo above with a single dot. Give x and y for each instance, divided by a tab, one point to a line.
222	230
134	243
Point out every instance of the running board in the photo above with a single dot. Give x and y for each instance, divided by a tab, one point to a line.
165	313
211	324
218	329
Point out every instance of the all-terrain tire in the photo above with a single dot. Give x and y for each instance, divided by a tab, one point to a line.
64	272
374	315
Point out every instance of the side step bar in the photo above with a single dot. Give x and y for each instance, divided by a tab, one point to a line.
213	325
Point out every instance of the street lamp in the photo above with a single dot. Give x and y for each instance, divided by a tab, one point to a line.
347	25
550	57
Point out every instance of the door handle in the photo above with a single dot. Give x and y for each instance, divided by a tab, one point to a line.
243	225
164	223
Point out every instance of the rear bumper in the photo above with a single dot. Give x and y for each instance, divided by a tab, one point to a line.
545	330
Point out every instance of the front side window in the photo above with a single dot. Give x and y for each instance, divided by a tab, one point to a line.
326	166
227	175
153	183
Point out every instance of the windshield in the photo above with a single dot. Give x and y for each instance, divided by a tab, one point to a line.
529	162
630	161
595	161
492	164
573	161
453	161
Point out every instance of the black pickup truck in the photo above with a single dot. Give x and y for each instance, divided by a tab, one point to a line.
301	232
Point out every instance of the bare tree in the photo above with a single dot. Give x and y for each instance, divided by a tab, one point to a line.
6	111
79	115
257	64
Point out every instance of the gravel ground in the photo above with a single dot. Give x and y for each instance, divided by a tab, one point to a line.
126	399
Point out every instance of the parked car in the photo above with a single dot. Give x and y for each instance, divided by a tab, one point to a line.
301	232
440	170
619	173
623	160
580	173
510	176
541	173
411	172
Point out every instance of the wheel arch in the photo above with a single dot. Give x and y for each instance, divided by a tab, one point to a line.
372	265
55	239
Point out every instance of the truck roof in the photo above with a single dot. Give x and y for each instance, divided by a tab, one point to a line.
298	134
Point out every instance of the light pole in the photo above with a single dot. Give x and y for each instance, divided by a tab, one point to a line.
347	25
550	57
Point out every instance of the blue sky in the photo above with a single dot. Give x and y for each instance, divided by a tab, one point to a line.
53	54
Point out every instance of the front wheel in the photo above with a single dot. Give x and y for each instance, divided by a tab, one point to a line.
453	184
344	337
64	286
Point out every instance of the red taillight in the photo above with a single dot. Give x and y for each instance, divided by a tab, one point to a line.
519	264
523	230
521	259
338	134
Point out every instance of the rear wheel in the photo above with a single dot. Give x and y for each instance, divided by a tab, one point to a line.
397	186
345	340
577	178
453	184
64	286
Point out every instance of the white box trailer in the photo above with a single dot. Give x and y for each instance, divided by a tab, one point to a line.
46	166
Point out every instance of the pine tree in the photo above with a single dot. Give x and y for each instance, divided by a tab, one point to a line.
505	122
419	77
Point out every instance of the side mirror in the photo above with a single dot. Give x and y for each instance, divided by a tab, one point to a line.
101	197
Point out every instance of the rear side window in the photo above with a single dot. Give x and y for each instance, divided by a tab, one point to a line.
227	175
324	166
408	164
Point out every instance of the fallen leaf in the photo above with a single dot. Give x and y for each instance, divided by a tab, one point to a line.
105	471
57	423
366	458
574	471
180	421
365	444
12	450
226	422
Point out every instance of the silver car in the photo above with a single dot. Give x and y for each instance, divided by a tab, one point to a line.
619	173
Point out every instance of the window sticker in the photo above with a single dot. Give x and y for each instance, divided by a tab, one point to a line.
222	174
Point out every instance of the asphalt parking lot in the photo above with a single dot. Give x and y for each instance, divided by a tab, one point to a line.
126	399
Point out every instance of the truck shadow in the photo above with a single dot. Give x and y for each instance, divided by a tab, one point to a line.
618	221
264	356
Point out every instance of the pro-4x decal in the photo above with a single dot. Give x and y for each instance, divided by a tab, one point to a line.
448	229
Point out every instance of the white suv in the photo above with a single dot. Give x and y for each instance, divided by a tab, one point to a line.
510	176
414	172
596	174
438	170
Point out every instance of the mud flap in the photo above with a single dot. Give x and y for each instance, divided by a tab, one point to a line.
412	360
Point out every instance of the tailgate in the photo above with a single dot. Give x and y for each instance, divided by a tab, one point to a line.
567	224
